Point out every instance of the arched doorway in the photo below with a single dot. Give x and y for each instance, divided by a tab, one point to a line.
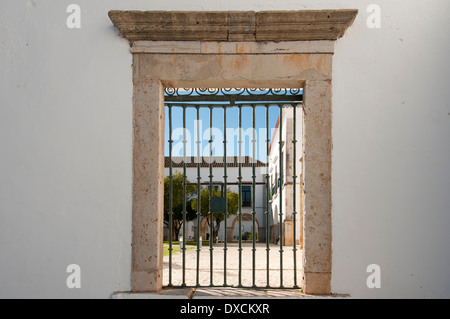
247	225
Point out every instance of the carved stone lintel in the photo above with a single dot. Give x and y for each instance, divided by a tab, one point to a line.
234	26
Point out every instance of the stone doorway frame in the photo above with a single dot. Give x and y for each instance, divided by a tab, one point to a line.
286	49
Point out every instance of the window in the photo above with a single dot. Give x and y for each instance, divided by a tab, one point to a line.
246	196
215	188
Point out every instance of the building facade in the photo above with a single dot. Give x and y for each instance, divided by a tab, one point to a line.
233	185
281	178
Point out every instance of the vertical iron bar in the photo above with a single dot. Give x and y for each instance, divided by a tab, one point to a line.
253	197
211	232
225	193
267	196
198	195
170	197
294	186
184	198
240	197
280	181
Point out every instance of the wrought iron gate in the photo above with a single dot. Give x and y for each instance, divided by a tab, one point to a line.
211	99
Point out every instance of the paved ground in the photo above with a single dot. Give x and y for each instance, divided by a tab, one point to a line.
206	292
232	269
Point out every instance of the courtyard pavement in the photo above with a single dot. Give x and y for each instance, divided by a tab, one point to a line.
232	267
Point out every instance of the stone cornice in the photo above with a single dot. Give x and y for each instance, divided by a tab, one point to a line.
233	26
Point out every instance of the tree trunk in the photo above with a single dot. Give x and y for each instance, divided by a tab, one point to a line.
176	230
216	230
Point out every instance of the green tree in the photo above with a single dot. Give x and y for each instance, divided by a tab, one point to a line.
177	202
217	217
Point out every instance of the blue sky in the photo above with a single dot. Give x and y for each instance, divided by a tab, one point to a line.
218	124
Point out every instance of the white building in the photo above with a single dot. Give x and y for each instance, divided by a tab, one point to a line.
282	175
232	181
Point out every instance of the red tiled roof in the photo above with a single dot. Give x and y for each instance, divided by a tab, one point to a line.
217	161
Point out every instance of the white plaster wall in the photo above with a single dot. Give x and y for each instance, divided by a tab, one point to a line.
66	141
391	149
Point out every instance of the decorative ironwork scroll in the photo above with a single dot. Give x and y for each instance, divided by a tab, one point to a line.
232	94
